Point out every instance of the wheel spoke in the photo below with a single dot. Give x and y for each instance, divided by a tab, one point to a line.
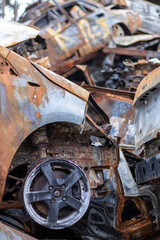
74	203
37	196
72	178
49	175
62	204
53	213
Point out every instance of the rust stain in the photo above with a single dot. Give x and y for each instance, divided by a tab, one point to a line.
149	82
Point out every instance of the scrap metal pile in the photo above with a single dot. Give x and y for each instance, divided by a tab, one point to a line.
80	162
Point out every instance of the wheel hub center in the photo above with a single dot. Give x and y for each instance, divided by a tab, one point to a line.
57	193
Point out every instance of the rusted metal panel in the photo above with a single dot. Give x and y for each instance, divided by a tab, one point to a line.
64	39
101	90
147	123
129	185
118	106
131	20
149	82
88	38
92	159
64	83
8	233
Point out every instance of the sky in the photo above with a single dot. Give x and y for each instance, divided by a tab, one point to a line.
9	14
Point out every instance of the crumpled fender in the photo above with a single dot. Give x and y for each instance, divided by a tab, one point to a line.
29	100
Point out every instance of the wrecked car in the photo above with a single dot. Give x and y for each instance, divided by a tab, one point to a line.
62	175
32	46
148	12
143	172
118	105
76	30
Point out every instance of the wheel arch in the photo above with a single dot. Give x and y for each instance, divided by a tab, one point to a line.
26	131
124	27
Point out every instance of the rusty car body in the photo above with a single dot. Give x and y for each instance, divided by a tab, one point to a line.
76	30
148	12
144	175
59	167
146	103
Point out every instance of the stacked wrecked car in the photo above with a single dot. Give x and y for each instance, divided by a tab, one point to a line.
77	163
60	169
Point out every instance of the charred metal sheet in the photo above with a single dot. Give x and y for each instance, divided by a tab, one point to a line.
125	16
129	40
64	41
148	169
151	191
149	14
129	185
8	233
101	90
66	84
118	106
149	82
13	33
147	104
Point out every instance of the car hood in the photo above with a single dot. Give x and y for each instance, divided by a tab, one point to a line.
13	33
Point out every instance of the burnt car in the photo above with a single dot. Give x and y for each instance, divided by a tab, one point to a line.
76	30
148	11
144	172
149	14
147	137
62	176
